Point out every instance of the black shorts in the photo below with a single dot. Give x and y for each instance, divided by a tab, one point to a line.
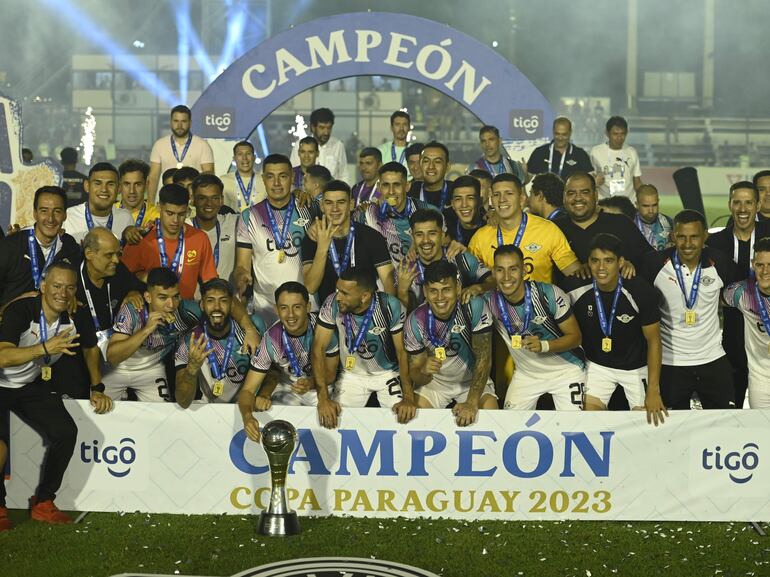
713	382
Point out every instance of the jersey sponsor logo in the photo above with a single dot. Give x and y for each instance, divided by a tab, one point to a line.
625	319
533	247
295	243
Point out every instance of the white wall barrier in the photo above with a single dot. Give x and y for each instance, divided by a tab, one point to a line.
698	466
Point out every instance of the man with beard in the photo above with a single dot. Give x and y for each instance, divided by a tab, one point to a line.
243	187
181	148
340	244
738	239
495	159
331	151
653	224
213	357
370	328
450	347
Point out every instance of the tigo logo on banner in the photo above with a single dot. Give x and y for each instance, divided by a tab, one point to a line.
110	462
526	124
729	460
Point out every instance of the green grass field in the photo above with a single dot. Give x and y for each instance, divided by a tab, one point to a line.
716	207
106	544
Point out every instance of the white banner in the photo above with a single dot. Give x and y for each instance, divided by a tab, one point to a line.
698	466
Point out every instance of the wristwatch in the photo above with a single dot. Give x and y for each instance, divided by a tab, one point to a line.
99	388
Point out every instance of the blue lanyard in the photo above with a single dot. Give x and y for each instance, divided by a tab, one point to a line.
604	322
432	329
519	233
363	192
184	151
444	196
506	317
359	338
217	371
342	265
37	274
44	334
299	177
90	219
140	216
387	210
693	298
197	225
421	267
293	361
280	237
501	164
555	212
764	315
244	190
563	158
393	154
178	263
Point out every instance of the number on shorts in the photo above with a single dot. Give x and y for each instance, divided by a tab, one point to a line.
394	387
163	392
577	393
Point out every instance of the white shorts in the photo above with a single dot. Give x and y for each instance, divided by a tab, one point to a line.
759	393
150	384
440	396
354	390
566	390
601	382
283	395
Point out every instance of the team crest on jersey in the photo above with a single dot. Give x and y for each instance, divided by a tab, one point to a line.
539	320
458	328
191	256
590	310
377	331
571	162
706	281
301	221
625	319
533	247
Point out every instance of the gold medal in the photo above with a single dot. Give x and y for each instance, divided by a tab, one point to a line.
218	389
46	373
281	256
690	318
350	362
440	353
515	341
606	344
391	200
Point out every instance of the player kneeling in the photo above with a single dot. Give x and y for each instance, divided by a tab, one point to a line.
450	347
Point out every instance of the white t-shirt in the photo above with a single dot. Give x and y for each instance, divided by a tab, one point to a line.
233	197
197	155
331	155
77	226
619	168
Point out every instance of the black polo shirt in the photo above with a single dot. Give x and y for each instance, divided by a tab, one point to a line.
635	246
577	160
417	191
459	233
107	299
16	265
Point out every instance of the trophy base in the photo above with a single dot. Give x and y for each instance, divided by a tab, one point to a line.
278	525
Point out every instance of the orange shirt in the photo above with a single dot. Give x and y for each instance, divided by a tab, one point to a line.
197	260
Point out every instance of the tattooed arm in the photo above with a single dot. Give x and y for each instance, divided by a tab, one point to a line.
482	349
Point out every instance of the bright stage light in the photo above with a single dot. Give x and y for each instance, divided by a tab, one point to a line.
88	138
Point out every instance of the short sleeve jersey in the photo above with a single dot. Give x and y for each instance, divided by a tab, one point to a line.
742	296
394	226
237	365
454	334
472	271
198	154
159	343
550	306
77	224
21	327
196	261
255	233
377	353
543	245
637	307
272	351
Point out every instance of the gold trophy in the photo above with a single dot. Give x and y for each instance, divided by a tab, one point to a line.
278	440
